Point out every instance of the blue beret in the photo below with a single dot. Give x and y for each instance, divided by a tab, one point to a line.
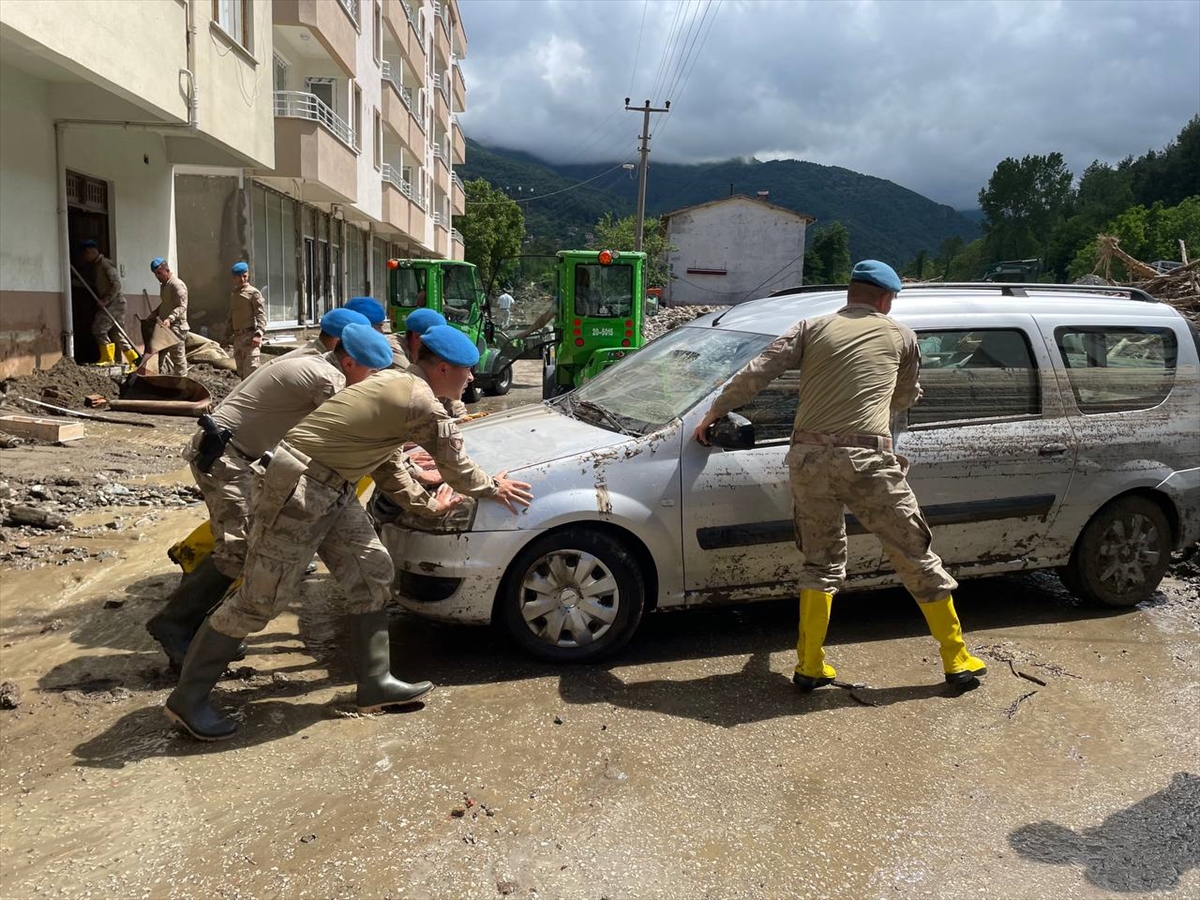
872	271
89	243
369	307
448	343
155	263
334	321
421	320
366	346
240	268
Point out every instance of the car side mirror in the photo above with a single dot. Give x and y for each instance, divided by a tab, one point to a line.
733	432
651	306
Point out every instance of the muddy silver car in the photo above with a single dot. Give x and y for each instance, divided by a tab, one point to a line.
1059	429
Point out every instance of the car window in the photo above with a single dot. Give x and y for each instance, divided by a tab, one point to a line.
458	287
604	291
973	374
773	411
410	287
1118	368
669	376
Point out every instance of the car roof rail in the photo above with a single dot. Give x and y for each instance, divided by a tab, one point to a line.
1021	289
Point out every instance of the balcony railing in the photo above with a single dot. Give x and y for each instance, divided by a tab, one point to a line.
456	235
439	150
351	9
458	182
301	105
390	76
458	68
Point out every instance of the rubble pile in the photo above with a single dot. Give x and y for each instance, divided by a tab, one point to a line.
1180	287
66	495
671	317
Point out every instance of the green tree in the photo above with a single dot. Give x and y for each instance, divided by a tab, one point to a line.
1146	234
621	234
493	227
1023	202
950	248
827	259
968	263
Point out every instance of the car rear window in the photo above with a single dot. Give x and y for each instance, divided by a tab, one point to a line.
973	374
1118	368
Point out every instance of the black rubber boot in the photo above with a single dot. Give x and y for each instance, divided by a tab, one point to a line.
189	704
377	688
199	591
807	684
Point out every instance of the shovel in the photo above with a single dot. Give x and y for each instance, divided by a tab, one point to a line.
141	359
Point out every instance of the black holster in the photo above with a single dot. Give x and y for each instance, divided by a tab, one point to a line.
212	444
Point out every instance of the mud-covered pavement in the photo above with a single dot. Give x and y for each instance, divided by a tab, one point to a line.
687	767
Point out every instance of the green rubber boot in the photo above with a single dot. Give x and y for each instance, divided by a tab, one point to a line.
377	688
189	704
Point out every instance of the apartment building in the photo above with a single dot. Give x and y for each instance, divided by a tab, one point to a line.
314	138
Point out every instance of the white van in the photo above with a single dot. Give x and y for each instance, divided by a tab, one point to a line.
1059	429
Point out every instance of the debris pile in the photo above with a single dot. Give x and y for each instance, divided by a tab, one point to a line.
66	495
1180	287
671	317
73	386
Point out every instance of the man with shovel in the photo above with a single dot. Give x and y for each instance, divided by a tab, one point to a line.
110	312
172	314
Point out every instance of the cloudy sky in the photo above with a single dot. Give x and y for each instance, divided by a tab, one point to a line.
928	94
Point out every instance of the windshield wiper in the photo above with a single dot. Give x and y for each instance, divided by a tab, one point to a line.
610	417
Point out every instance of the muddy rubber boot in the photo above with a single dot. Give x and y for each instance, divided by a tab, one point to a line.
959	665
108	355
177	622
188	705
377	688
812	671
131	360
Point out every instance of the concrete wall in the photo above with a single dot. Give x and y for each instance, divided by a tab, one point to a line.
761	249
213	232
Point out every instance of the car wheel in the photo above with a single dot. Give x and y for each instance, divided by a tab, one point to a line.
548	381
1122	554
573	596
503	383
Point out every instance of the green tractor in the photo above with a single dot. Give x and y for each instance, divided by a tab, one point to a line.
596	301
451	287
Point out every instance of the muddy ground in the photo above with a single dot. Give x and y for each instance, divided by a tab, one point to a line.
686	767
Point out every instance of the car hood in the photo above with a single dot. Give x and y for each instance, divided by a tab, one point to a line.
532	435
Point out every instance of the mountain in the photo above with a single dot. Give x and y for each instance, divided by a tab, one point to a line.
885	220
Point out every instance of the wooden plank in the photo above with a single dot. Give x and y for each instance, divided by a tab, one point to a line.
42	429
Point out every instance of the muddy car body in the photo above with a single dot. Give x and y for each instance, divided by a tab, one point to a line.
1058	430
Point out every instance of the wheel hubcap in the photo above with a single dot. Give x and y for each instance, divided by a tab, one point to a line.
569	598
1129	552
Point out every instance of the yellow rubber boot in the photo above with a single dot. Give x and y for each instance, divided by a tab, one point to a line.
108	355
959	665
194	548
811	669
131	357
364	485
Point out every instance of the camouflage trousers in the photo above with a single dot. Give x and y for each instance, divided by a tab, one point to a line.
245	354
226	489
301	508
104	326
872	485
173	360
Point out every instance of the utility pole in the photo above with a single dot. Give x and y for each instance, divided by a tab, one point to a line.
645	151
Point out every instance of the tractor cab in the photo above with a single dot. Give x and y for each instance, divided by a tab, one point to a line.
450	287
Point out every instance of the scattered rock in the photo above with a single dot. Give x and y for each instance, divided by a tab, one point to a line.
308	839
113	604
505	888
37	517
54	625
558	720
10	695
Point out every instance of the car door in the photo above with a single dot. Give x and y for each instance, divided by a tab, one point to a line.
738	533
991	451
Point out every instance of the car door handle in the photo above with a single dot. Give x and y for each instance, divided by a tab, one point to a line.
1052	449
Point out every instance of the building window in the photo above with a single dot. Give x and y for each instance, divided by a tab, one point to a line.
275	254
281	67
358	102
378	141
377	33
234	18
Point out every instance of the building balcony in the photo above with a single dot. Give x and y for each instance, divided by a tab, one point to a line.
398	115
441	30
458	87
313	144
441	101
400	211
330	24
458	143
441	241
441	166
458	33
458	196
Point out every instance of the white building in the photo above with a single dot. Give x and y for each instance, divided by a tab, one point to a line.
314	138
733	249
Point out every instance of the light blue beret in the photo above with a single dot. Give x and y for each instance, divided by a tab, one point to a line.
366	346
240	268
421	320
155	263
369	307
89	243
448	343
880	274
335	320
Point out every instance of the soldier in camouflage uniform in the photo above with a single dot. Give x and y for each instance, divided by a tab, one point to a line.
256	415
857	367
306	505
172	313
247	320
111	311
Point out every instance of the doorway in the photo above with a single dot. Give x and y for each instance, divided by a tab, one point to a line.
87	219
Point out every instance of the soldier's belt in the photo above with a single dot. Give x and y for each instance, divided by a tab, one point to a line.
315	470
867	441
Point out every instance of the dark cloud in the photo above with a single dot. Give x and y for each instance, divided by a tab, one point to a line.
928	94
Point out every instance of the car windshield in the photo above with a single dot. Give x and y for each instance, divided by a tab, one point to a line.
664	380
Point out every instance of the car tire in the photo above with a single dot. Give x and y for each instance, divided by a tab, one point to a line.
501	384
1122	553
548	382
612	582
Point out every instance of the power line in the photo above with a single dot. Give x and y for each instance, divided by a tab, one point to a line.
668	49
699	53
693	48
638	53
543	196
681	56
